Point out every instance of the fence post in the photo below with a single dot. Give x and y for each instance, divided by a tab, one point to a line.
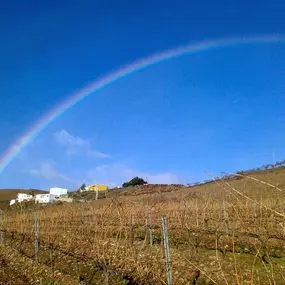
150	232
166	248
6	215
2	220
1	237
106	275
36	238
2	227
254	209
97	192
131	231
51	260
225	217
82	221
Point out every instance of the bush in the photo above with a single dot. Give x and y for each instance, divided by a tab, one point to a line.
135	181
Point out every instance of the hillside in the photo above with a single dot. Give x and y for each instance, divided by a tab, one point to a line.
249	182
225	231
8	194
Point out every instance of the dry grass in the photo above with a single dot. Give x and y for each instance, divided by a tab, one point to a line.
225	232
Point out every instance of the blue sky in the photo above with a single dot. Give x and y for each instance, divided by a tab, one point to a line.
220	110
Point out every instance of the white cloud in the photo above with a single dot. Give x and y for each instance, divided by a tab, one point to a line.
92	153
109	174
116	174
48	172
76	145
163	178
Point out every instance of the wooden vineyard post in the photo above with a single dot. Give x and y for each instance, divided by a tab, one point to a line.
6	215
166	248
132	230
2	227
150	232
82	221
51	260
97	192
254	210
1	237
225	217
146	231
36	225
2	218
106	275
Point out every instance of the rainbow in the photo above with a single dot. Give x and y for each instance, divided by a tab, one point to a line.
120	73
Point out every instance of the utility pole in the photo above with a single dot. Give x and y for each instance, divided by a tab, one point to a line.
273	157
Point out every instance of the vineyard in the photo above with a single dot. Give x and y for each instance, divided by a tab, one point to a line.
224	232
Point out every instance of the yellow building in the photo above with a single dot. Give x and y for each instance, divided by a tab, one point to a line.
98	187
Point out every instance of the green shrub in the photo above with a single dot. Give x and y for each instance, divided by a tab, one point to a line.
135	181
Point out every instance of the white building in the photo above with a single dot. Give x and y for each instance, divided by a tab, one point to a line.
23	197
58	191
12	202
45	198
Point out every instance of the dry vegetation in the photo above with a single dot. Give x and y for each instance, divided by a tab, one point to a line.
225	232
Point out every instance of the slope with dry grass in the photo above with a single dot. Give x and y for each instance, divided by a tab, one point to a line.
224	232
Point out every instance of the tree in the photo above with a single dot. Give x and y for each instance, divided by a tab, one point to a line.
32	192
135	181
83	186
